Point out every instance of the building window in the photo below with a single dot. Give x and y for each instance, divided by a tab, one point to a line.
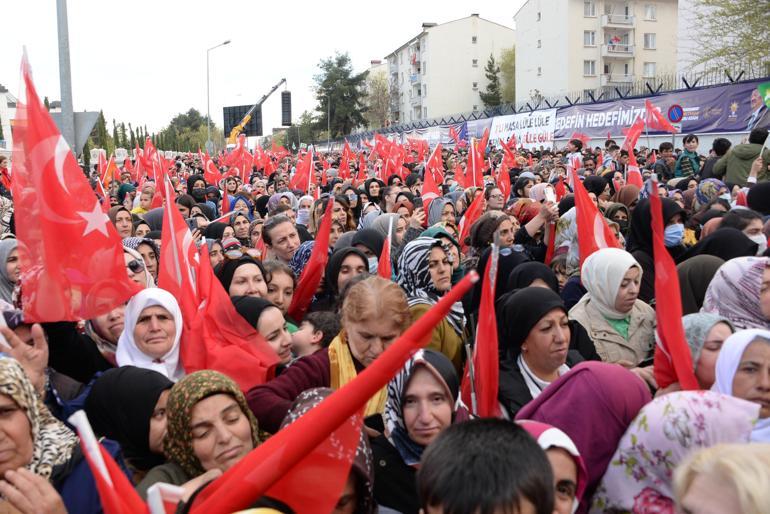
475	107
474	39
475	86
402	77
424	112
649	41
538	16
424	67
401	58
539	44
475	63
650	13
589	68
539	71
589	9
424	90
589	38
649	70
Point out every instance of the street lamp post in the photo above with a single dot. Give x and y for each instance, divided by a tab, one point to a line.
209	143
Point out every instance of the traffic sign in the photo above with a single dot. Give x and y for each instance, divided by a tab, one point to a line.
675	113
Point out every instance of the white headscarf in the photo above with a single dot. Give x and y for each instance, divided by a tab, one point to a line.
129	354
726	367
602	275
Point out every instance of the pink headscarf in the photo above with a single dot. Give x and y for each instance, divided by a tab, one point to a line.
593	403
547	437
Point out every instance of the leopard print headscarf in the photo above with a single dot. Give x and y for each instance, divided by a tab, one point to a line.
52	441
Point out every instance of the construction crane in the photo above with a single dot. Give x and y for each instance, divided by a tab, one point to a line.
233	137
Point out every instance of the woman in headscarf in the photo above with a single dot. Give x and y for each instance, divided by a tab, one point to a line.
667	430
607	397
10	271
373	187
421	404
210	428
569	471
358	495
344	264
42	467
301	257
639	242
726	243
735	292
628	195
534	335
128	405
454	249
482	235
621	326
216	230
707	190
695	275
150	338
269	322
441	209
149	252
242	203
705	334
374	314
743	371
425	275
370	241
136	268
141	228
243	276
620	214
240	224
508	260
122	220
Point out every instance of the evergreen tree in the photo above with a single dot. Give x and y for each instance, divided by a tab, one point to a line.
123	135
115	138
491	97
1	129
46	103
86	155
100	138
340	95
132	141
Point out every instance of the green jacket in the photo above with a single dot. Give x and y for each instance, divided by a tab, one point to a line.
734	167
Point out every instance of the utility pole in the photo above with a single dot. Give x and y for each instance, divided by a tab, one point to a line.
67	125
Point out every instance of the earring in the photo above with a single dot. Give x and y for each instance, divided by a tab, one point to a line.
523	349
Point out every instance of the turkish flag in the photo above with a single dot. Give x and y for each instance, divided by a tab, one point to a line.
311	276
71	255
267	469
474	168
673	360
504	183
303	174
634	176
655	120
472	213
481	395
384	266
632	135
221	339
593	231
116	492
179	261
430	189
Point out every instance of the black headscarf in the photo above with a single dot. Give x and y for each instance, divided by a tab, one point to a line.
251	307
759	198
566	203
154	218
519	311
206	210
595	184
726	243
695	275
371	239
509	260
120	406
260	205
334	265
528	272
367	186
226	269
640	232
215	230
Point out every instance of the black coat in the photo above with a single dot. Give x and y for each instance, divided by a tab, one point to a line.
395	483
513	392
72	353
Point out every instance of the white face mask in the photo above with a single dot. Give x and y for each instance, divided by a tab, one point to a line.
761	240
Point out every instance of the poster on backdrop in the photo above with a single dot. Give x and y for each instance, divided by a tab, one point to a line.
729	108
533	130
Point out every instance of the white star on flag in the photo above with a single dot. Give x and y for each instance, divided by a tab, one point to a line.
96	220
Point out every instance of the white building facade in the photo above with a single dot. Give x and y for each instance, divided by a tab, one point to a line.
440	71
568	46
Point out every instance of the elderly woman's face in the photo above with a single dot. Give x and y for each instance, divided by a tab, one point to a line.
155	331
221	433
16	433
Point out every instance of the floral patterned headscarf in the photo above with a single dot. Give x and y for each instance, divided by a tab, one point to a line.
177	444
662	435
52	441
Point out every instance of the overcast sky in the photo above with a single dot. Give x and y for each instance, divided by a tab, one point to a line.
144	61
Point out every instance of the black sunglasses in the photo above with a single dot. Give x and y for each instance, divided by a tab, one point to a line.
136	266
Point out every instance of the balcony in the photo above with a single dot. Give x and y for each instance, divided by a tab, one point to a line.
393	67
610	79
415	101
414	78
618	20
619	51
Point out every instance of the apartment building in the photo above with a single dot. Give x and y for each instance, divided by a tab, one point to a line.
440	71
568	46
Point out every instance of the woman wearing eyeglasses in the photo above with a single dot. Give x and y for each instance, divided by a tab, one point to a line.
136	268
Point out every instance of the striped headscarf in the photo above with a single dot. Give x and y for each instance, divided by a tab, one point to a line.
734	292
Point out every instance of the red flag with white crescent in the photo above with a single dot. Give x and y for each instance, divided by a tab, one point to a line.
71	255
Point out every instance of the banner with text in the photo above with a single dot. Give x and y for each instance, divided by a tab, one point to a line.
532	130
729	108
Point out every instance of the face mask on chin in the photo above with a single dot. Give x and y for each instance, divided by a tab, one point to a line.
761	241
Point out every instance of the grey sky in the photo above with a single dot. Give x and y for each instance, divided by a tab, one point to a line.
144	61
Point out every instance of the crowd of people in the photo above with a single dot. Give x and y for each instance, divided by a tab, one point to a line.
583	425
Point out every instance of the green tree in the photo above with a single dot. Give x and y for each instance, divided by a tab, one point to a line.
377	100
491	97
508	75
340	94
115	137
86	155
123	135
132	140
745	44
303	132
1	129
46	103
100	138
